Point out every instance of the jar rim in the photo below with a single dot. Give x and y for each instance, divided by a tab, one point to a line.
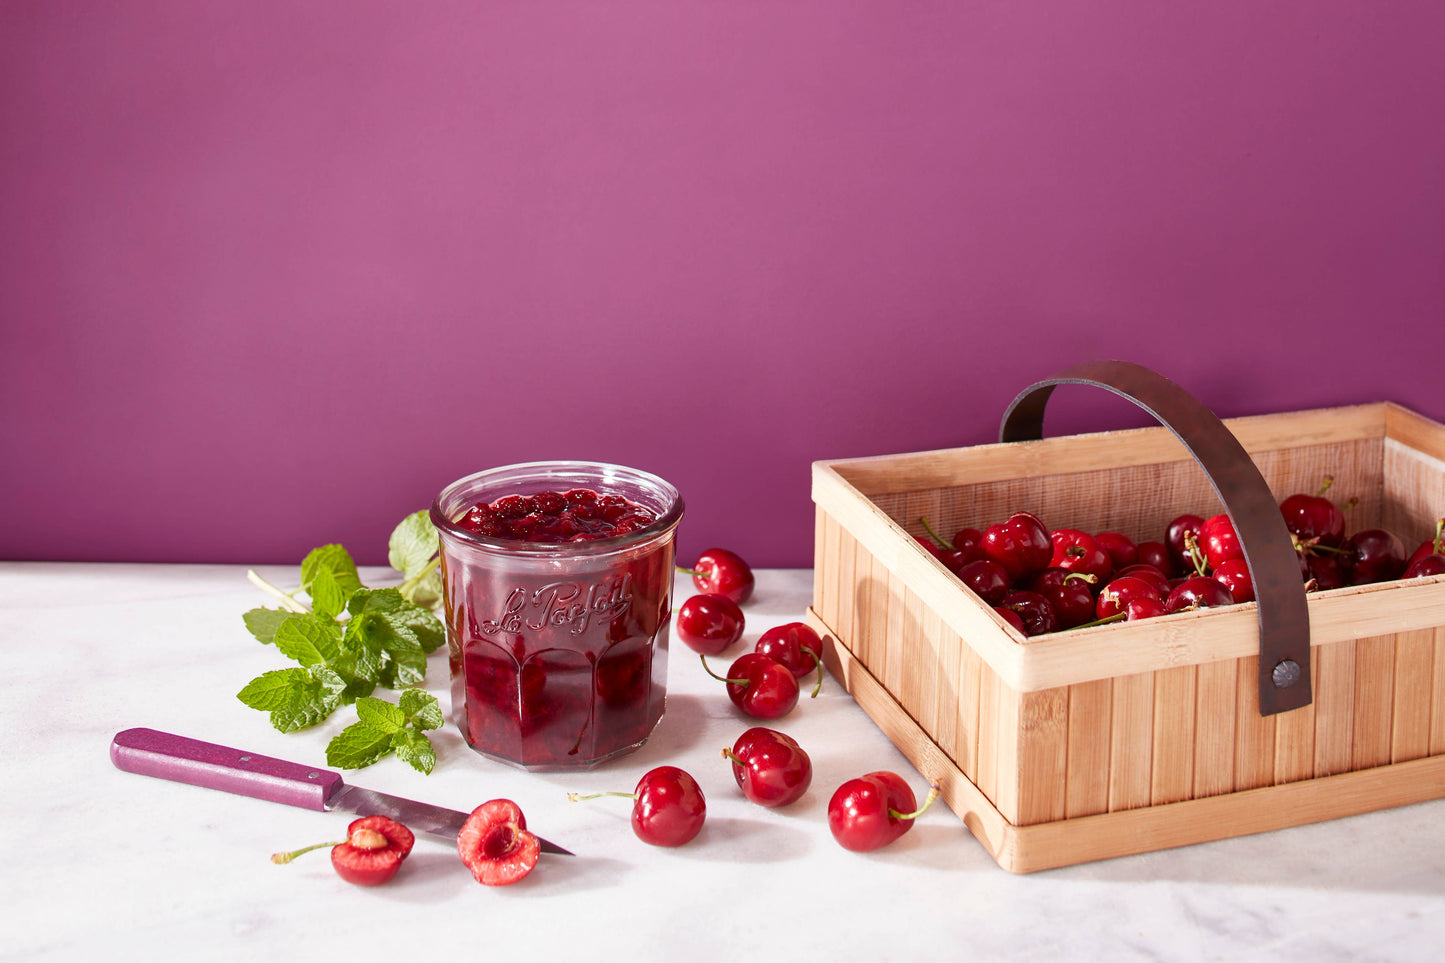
661	526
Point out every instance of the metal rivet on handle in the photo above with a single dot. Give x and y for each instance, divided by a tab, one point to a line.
313	775
1286	674
245	759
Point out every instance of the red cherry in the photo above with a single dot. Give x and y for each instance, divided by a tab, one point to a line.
718	571
1374	555
986	579
873	810
1121	548
1021	545
1143	607
1077	551
1426	566
1159	556
1197	592
1314	518
1150	574
371	853
1070	595
1037	614
1322	572
1233	574
1174	537
954	555
495	845
770	767
668	806
1118	593
1434	546
1218	541
796	646
710	624
761	687
970	541
1011	617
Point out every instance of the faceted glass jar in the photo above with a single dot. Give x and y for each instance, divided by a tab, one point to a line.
558	651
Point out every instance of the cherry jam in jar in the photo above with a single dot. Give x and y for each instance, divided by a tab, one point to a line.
557	580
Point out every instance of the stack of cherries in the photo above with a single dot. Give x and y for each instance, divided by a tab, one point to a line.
1041	580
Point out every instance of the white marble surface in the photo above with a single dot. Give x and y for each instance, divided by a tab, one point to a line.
104	864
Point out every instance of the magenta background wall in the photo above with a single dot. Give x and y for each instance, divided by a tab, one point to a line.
275	272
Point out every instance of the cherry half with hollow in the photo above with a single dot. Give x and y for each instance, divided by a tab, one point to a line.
760	686
668	806
873	810
495	845
770	767
371	853
718	571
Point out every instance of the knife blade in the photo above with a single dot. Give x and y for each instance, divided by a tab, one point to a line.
149	752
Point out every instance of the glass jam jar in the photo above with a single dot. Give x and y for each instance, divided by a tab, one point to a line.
557	648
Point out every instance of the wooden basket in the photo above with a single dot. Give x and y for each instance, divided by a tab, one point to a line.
1138	736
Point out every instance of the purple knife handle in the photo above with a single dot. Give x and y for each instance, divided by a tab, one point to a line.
152	753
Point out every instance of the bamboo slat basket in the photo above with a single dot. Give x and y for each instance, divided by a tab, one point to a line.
1138	736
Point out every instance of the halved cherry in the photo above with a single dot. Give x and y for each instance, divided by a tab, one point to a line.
495	845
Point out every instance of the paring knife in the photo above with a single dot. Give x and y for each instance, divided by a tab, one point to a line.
179	759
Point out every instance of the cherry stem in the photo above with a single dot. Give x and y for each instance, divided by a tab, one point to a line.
1089	577
934	535
933	789
1325	485
1439	528
709	671
1117	616
729	754
283	858
1195	555
580	796
817	664
687	571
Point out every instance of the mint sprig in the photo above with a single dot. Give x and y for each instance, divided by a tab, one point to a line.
347	640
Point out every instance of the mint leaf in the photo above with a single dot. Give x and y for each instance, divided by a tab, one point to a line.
356	746
380	715
308	640
415	749
421	709
427	592
361	656
327	598
296	698
412	544
428	629
374	632
334	559
374	600
262	623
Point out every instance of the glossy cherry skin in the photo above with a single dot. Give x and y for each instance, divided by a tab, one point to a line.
1021	545
1425	566
861	811
373	851
987	579
1325	571
1159	556
1150	574
762	687
1143	607
794	644
1313	518
1121	548
1118	593
1078	551
1070	595
721	572
1011	617
970	541
710	624
1218	541
770	767
1434	546
1197	592
1175	538
1233	574
1035	611
669	807
1374	555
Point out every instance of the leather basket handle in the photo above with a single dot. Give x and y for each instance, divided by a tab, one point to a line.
1284	622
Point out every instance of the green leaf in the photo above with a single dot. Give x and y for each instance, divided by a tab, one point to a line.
262	623
361	656
421	709
308	640
327	598
356	746
396	643
374	600
415	749
334	559
427	593
412	543
296	698
380	715
428	629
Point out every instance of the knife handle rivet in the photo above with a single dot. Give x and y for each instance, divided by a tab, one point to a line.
245	759
313	775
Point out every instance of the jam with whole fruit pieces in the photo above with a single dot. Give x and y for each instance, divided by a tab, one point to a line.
557	580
